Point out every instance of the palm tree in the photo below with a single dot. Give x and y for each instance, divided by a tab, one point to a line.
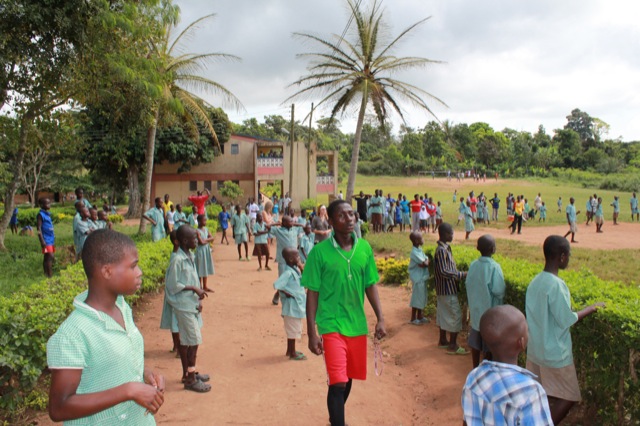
345	72
178	72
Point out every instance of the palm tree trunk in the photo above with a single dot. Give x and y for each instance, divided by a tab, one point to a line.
353	169
134	192
148	166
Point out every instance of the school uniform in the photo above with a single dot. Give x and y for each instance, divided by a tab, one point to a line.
224	217
182	273
571	215
157	230
419	277
485	289
358	228
108	356
633	202
82	231
293	308
178	218
204	261
239	225
47	232
599	215
168	320
101	224
543	212
284	238
306	243
260	246
468	220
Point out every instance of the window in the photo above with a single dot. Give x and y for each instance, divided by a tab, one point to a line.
207	185
220	184
235	149
193	185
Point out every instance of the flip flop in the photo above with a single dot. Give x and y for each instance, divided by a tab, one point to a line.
299	357
198	387
459	351
202	377
443	346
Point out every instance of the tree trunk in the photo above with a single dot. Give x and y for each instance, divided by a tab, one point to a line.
12	187
134	192
353	169
148	167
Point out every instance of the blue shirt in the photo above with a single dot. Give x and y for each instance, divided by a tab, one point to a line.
571	213
599	212
405	206
47	228
496	393
289	282
485	288
224	217
14	217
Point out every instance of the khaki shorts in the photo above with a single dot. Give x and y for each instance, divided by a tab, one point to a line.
573	227
599	220
448	313
559	383
293	327
189	328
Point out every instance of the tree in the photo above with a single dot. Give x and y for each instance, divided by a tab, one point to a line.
231	191
568	143
177	75
581	123
347	72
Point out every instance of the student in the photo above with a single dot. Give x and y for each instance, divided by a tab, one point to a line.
204	261
589	212
96	357
389	221
185	295
302	219
599	216
495	204
559	205
260	246
361	205
307	242
431	211
294	300
485	289
338	274
397	214
84	227
179	218
240	227
549	316
170	215
377	210
518	212
424	217
358	227
419	274
461	209
155	215
543	213
455	193
572	217
286	235
468	221
406	214
80	197
13	222
438	216
633	202
46	235
447	279
616	209
168	320
103	221
415	205
499	392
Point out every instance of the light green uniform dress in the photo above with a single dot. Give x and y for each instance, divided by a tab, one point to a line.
485	288
81	232
239	225
178	218
468	219
419	277
204	261
157	230
108	356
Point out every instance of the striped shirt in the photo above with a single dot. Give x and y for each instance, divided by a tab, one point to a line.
447	275
107	354
504	394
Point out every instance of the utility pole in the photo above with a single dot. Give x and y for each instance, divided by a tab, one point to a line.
293	106
309	154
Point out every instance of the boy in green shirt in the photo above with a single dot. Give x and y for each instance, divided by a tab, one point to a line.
338	274
240	227
549	316
96	356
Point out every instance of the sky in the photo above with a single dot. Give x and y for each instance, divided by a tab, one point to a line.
508	63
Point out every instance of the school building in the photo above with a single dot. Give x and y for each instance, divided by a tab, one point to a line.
253	163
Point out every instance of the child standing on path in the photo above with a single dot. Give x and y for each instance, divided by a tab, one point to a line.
204	261
155	215
599	216
338	274
294	300
307	241
500	392
185	295
260	246
96	357
447	279
616	209
468	221
419	274
46	236
633	203
240	227
286	234
572	217
485	289
168	320
549	316
223	218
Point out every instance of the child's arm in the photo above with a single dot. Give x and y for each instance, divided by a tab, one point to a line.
201	242
39	227
590	310
150	220
65	404
424	264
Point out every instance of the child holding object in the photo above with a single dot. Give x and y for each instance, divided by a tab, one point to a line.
419	274
294	300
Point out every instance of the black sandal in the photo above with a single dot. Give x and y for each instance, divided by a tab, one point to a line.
198	386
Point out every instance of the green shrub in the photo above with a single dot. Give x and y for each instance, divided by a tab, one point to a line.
605	345
28	216
28	318
393	271
116	218
308	204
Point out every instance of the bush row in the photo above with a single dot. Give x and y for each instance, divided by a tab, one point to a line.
606	345
28	318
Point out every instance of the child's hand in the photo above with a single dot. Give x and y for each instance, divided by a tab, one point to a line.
154	379
289	296
201	293
199	308
146	396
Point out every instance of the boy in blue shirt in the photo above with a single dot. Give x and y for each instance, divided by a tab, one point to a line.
224	218
13	223
599	216
616	209
294	301
572	217
46	236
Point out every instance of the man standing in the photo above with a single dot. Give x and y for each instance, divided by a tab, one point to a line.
199	201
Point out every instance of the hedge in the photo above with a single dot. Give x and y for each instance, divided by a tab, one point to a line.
28	318
606	345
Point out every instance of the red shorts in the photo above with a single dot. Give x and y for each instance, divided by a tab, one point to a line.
48	249
345	357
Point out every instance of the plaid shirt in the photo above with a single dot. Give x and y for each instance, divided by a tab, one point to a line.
504	394
447	275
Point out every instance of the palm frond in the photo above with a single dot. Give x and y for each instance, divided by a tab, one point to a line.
187	32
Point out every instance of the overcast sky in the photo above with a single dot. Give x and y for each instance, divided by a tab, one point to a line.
509	63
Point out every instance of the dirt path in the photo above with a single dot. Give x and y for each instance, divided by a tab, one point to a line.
255	384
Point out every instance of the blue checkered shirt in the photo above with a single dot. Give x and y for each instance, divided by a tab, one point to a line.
504	394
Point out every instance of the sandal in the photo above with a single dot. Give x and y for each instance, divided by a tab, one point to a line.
299	357
201	377
198	386
459	351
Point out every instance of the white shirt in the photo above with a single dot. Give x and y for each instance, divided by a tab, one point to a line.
253	210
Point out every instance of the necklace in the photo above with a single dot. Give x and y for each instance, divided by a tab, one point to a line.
353	251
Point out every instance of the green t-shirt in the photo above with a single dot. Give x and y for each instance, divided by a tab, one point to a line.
260	227
380	203
549	317
340	298
485	288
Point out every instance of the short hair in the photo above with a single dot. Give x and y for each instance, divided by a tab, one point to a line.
444	228
158	199
334	206
200	216
486	245
104	247
183	231
554	246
